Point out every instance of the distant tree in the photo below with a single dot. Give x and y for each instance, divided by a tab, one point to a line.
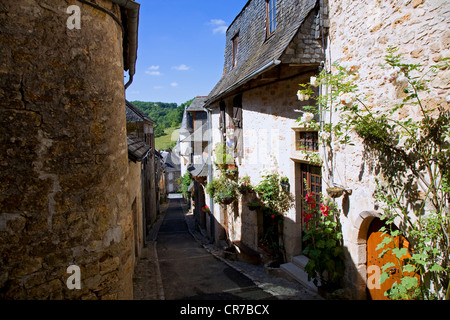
166	115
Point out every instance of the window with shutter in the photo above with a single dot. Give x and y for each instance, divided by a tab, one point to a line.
222	120
237	124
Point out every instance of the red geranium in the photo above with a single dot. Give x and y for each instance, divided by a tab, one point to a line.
310	200
325	210
308	217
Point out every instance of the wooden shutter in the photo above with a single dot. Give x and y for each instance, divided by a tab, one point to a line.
222	119
237	124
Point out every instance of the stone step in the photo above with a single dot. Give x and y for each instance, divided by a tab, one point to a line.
300	261
300	275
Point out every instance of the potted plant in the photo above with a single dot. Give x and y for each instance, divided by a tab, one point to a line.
244	186
253	205
284	182
224	156
272	195
222	189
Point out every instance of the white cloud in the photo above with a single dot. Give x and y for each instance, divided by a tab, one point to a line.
221	30
216	22
153	71
181	67
174	84
218	26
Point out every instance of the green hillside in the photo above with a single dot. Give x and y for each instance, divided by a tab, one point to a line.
168	117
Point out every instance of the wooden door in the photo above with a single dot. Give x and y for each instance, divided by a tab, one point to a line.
375	263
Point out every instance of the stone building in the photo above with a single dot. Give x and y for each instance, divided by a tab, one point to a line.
172	170
359	35
271	47
184	147
142	184
199	143
64	197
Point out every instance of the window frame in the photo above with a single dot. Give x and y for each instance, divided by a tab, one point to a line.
235	49
307	141
314	183
271	17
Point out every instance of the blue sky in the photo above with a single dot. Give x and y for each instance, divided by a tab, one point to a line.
181	48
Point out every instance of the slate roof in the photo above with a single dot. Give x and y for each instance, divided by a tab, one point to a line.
186	122
136	115
256	53
138	150
198	104
199	170
172	161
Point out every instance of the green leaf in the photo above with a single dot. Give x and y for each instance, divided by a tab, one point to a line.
320	244
331	243
400	252
384	276
409	282
383	243
409	268
387	266
436	268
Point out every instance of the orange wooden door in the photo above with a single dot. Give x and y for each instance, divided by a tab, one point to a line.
375	263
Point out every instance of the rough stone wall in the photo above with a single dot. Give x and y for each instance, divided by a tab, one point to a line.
135	176
306	46
268	119
360	32
63	154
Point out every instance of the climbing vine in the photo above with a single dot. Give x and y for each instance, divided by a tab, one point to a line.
411	154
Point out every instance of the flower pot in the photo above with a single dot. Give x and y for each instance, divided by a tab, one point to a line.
285	186
226	201
335	192
253	207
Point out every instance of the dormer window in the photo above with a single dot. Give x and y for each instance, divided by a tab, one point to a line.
235	44
271	20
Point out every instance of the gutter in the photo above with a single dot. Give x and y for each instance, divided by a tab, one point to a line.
132	8
258	72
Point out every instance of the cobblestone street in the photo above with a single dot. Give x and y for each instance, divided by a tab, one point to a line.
246	281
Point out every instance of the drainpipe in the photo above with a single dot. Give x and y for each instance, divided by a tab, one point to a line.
132	8
210	175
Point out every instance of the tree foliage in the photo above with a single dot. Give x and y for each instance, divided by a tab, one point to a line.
166	115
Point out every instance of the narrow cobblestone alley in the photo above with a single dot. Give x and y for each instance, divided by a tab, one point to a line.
179	264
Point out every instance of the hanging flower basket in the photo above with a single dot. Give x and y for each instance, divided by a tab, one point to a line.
253	207
227	201
285	186
335	192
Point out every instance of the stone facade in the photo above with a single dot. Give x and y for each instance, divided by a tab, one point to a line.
268	118
264	83
63	161
421	30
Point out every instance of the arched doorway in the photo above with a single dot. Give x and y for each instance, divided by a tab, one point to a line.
375	261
